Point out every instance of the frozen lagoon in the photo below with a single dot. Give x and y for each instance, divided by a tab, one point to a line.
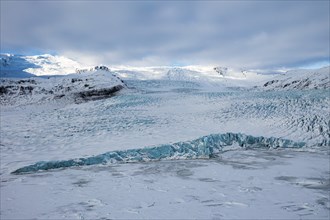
241	184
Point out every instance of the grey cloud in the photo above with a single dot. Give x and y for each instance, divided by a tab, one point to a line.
240	33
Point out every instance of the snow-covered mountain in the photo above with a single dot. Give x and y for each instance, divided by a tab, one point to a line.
231	77
14	66
24	80
80	87
207	75
39	65
301	79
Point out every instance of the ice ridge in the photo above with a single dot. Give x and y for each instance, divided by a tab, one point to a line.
202	148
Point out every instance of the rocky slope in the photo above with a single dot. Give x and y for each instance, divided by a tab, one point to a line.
300	79
81	87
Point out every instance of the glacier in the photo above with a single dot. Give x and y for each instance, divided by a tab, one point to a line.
201	148
263	146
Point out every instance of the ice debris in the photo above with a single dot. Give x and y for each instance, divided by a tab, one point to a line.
202	148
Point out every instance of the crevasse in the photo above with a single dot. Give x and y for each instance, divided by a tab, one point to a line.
204	147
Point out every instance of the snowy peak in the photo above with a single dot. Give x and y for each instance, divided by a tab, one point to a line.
14	66
52	65
40	65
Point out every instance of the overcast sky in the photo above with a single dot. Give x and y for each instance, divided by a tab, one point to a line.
249	34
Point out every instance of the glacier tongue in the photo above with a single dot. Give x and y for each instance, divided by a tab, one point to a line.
202	148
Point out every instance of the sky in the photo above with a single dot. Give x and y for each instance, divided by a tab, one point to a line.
245	34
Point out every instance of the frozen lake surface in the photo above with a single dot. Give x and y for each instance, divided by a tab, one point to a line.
238	183
271	184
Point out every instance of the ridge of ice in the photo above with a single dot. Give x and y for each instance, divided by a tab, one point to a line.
202	148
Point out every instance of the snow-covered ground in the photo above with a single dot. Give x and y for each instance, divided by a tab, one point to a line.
245	184
214	146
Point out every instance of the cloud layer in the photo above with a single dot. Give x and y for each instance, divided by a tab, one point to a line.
252	34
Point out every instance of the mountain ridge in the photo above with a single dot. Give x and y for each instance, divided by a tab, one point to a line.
18	66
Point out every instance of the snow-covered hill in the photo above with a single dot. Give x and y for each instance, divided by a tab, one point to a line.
301	79
26	66
81	87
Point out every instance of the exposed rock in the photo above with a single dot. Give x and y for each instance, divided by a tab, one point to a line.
96	94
